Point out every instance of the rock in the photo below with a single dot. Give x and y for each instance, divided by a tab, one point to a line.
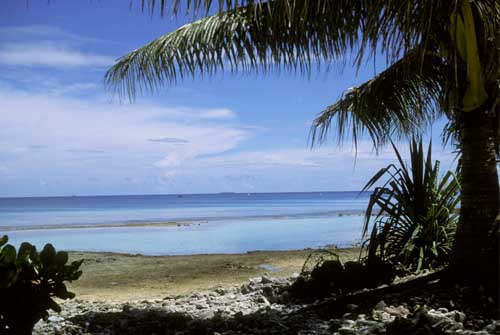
208	314
201	306
371	327
350	316
263	300
336	324
351	307
399	311
220	291
382	316
347	331
459	316
266	280
254	281
256	309
380	305
442	319
268	291
55	318
442	310
493	328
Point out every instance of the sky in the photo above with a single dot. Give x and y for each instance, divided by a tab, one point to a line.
63	134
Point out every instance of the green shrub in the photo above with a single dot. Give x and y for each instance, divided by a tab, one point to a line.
324	274
416	224
28	282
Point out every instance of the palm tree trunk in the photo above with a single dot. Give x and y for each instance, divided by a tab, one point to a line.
477	238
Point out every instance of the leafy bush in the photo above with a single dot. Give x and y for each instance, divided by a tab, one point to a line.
413	230
416	224
28	282
324	274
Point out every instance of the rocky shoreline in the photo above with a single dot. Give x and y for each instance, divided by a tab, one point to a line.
263	306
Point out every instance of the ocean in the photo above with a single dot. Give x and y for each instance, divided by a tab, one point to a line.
186	224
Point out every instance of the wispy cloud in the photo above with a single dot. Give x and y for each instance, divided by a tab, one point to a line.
94	146
85	151
47	46
217	114
93	138
169	140
222	113
50	55
52	33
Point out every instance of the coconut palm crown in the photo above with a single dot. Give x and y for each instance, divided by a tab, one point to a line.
443	59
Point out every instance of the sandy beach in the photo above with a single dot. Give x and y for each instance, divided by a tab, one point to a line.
124	277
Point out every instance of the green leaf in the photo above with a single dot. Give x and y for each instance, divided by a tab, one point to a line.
3	240
48	255
24	252
9	273
416	207
61	258
9	254
61	291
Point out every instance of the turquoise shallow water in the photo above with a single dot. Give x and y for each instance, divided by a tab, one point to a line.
219	223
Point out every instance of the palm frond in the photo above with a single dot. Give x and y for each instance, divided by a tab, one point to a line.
244	38
264	35
398	102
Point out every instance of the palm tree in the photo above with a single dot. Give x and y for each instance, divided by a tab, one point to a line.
443	59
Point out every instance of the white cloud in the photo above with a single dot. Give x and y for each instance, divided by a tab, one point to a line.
47	46
169	140
200	114
57	137
50	55
223	113
91	146
302	169
72	88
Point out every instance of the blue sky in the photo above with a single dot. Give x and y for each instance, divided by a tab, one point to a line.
63	134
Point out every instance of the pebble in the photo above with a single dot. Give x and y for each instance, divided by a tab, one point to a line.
55	318
256	307
380	305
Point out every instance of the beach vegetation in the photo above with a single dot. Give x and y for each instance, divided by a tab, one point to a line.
29	282
442	60
417	213
324	273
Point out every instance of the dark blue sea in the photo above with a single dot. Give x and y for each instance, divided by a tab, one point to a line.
186	224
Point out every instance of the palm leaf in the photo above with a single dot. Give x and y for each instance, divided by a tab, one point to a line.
393	102
417	215
261	37
296	35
